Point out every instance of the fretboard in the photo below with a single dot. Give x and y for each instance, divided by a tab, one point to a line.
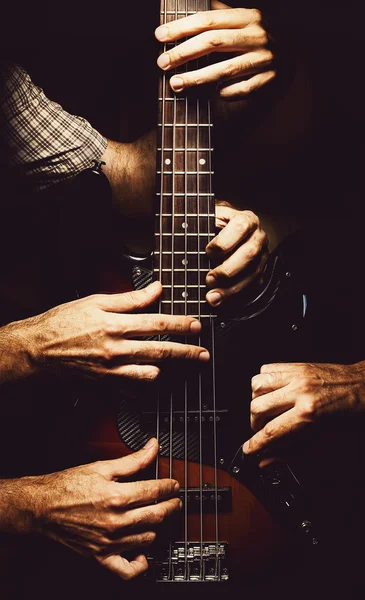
185	221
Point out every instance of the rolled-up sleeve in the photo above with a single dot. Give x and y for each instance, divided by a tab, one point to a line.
41	144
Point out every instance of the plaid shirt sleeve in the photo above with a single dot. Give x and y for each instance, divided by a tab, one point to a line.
41	144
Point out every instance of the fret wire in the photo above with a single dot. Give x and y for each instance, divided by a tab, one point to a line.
169	286
183	234
181	194
185	173
180	12
187	125
199	302
187	214
166	149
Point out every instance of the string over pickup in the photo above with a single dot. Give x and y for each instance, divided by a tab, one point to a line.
180	418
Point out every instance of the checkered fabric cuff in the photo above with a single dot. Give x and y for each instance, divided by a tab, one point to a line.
40	142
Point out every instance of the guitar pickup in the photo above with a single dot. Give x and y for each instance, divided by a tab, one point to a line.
179	417
207	499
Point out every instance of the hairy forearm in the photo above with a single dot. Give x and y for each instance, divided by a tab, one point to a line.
131	168
15	352
17	505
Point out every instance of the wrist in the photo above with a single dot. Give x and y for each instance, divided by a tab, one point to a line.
17	357
131	169
18	505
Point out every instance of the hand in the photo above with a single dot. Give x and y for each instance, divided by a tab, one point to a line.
240	248
87	509
94	336
290	397
236	30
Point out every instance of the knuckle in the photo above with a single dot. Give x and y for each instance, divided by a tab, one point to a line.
249	214
218	244
269	431
214	39
241	223
107	353
274	378
253	250
224	271
263	239
152	374
255	409
143	517
115	500
206	19
230	69
195	78
256	15
259	36
305	385
176	55
148	538
162	351
256	383
95	300
159	515
159	324
145	491
110	327
308	408
246	87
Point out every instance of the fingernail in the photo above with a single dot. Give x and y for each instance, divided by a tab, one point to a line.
246	447
177	84
204	355
176	487
214	298
161	33
163	61
149	444
195	327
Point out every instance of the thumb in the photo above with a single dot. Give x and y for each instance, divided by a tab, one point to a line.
130	301
133	463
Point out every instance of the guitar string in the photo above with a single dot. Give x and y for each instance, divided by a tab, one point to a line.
172	281
212	337
197	107
186	312
162	83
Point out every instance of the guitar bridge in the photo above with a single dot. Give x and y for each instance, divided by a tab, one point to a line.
190	562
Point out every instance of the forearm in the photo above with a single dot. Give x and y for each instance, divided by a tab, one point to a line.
16	360
17	505
130	169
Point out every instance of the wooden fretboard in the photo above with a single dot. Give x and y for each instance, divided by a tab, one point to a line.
185	221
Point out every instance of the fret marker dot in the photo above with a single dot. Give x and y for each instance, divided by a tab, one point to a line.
184	261
184	294
167	161
202	161
184	225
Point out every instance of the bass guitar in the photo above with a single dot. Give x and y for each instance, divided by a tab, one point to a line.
238	522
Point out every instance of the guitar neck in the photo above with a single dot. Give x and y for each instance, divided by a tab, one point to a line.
185	221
